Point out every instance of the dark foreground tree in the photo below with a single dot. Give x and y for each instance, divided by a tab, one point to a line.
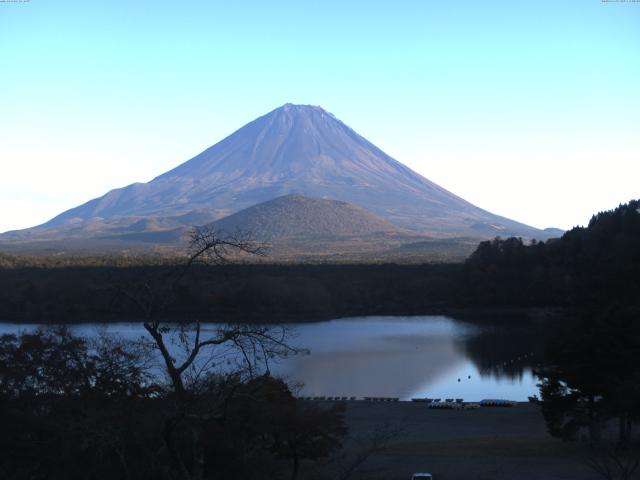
590	388
71	408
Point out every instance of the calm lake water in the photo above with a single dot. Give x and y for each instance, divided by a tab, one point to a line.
406	357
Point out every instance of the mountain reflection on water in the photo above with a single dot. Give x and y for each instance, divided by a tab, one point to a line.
409	357
405	357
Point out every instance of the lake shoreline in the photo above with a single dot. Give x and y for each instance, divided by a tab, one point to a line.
479	315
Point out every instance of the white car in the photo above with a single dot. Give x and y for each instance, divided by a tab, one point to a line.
421	476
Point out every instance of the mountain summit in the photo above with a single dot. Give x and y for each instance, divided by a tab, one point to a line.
295	149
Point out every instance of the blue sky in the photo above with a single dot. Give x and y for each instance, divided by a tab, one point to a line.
529	109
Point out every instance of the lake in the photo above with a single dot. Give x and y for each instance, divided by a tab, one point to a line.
406	357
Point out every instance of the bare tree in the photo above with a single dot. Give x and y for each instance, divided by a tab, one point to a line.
233	352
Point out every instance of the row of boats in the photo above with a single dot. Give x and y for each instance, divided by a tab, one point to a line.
457	403
449	403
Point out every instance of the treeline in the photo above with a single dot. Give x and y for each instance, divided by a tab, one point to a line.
8	261
596	265
262	292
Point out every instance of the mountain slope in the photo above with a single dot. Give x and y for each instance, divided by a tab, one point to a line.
293	149
296	216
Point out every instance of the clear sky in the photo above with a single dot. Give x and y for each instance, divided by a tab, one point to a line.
529	109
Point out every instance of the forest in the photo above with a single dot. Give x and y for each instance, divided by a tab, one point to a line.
587	266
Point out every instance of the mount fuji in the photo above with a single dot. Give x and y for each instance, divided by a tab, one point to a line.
294	149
